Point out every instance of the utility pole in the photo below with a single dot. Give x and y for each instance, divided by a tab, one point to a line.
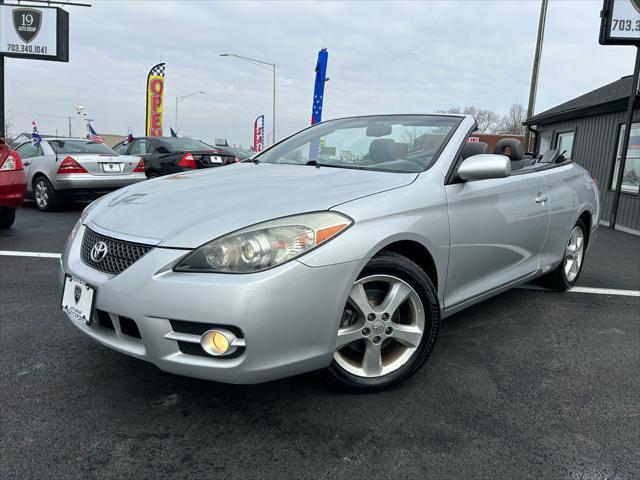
69	118
534	73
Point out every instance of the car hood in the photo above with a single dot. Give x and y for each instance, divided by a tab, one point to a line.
186	210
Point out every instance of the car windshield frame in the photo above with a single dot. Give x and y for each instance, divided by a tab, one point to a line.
170	143
276	154
63	149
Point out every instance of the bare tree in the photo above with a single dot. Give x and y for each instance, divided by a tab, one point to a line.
511	122
487	120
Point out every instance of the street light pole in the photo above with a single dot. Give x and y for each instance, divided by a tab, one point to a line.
272	68
180	99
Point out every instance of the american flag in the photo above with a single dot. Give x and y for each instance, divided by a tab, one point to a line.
129	138
94	137
35	135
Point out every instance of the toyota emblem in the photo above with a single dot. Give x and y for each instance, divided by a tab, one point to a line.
99	251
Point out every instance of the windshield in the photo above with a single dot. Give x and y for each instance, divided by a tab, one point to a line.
397	143
80	146
185	144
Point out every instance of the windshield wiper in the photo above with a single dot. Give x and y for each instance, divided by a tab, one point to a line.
313	163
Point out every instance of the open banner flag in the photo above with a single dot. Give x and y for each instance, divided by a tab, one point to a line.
155	96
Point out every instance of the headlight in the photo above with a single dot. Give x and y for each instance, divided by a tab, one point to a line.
266	244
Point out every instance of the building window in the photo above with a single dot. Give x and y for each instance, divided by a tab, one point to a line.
631	176
545	142
564	143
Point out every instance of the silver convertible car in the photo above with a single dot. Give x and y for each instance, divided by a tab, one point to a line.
61	169
340	248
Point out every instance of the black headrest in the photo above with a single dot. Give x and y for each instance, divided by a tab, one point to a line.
474	148
382	150
514	145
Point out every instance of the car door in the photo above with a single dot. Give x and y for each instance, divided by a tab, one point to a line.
497	229
29	154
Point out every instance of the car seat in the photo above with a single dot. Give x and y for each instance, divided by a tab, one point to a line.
474	148
382	150
515	153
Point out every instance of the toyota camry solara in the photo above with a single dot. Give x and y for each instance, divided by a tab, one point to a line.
340	248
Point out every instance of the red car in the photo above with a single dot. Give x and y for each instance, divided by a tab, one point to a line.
13	184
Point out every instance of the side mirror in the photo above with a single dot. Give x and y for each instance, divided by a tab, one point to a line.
485	166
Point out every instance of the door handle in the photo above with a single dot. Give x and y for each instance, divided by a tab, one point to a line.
26	163
541	198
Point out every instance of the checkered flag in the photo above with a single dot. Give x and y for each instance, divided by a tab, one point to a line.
157	71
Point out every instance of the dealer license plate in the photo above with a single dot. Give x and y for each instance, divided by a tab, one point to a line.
111	167
78	299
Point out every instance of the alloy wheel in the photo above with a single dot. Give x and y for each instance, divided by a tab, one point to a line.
42	194
382	326
573	254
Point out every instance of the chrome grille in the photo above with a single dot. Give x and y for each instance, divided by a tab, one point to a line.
120	254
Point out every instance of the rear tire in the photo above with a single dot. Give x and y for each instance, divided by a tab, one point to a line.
567	273
151	175
7	217
391	332
47	199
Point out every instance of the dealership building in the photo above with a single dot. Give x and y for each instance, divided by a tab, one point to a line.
590	129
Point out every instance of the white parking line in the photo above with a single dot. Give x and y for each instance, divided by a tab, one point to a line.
596	291
606	291
10	253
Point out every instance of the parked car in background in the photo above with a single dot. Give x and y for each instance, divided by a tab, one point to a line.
344	257
166	155
65	169
239	154
13	184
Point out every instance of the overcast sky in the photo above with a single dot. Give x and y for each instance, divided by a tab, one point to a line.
384	57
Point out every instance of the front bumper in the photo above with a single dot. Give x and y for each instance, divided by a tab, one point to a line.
288	315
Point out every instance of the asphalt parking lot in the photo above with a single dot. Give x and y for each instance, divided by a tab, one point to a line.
530	384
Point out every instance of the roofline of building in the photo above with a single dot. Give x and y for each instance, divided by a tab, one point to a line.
609	107
603	108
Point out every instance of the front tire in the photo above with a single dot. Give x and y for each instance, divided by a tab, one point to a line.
389	325
7	217
45	195
567	273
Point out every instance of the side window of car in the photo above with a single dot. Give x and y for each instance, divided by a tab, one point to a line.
121	148
29	151
139	147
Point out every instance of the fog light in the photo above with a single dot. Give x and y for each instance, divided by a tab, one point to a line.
218	342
